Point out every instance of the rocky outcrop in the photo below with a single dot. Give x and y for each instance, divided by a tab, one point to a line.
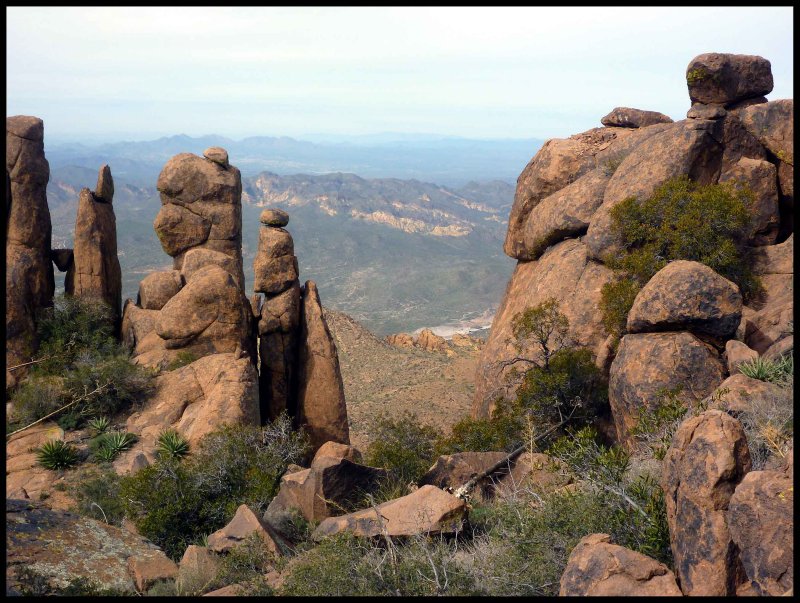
95	271
706	461
626	117
321	408
648	364
430	341
565	273
687	296
54	544
427	510
598	568
761	522
725	79
29	269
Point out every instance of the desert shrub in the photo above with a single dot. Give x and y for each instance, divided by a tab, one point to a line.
404	446
97	493
780	371
656	424
175	503
57	454
182	358
681	220
768	424
37	397
246	564
162	588
504	430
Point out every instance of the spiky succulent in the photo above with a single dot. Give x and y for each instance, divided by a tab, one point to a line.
57	454
99	424
111	444
172	444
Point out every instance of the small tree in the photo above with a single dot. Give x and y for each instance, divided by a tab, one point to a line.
542	325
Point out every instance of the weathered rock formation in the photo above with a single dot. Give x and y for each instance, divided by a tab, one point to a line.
705	463
598	568
29	269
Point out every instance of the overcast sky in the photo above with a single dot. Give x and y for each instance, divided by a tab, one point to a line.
139	73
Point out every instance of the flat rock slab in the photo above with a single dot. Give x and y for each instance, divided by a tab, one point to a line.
626	117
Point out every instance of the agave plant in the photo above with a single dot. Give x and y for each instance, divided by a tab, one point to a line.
112	444
172	444
57	454
99	424
778	371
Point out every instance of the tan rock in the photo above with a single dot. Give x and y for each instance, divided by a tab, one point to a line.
217	155
761	522
157	288
232	590
772	124
647	364
179	229
431	342
197	568
687	296
274	217
760	177
427	510
400	340
104	191
200	257
706	461
276	274
149	570
737	352
626	117
727	78
685	147
321	407
773	314
336	450
243	524
598	568
784	347
565	273
740	394
137	324
281	312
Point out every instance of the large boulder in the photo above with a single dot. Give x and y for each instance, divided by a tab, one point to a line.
453	470
321	407
727	78
736	353
707	459
598	568
565	273
560	162
689	147
761	178
281	312
761	522
29	270
428	510
200	257
61	546
157	288
687	296
626	117
648	364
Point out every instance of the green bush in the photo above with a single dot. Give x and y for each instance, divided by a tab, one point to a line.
97	493
246	564
57	454
404	446
681	220
504	430
182	358
175	503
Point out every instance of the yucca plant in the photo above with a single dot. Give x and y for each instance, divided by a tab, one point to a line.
104	454
57	454
99	424
111	444
172	444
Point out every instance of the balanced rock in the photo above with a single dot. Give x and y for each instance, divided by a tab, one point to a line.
687	296
761	522
321	405
157	288
274	217
427	510
647	364
625	117
245	523
706	461
598	568
728	78
217	155
29	270
62	258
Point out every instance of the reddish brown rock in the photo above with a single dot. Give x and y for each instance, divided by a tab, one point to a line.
740	394
243	524
706	461
280	312
149	570
179	229
737	352
430	341
702	111
275	275
321	405
451	471
336	450
137	323
626	117
104	190
598	568
760	177
200	257
784	347
427	510
29	271
686	147
274	242
728	78
687	296
565	273
761	522
400	340
197	568
649	363
738	143
157	288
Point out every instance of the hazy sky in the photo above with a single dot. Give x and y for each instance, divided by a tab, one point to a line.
476	72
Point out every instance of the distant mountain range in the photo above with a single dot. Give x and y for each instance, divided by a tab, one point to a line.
395	254
450	161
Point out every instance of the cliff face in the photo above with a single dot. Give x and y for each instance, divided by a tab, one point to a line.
560	227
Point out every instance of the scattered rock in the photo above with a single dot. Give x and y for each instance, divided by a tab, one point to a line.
625	117
149	570
705	463
274	217
648	364
243	524
598	568
197	567
427	510
760	519
728	78
737	352
687	296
